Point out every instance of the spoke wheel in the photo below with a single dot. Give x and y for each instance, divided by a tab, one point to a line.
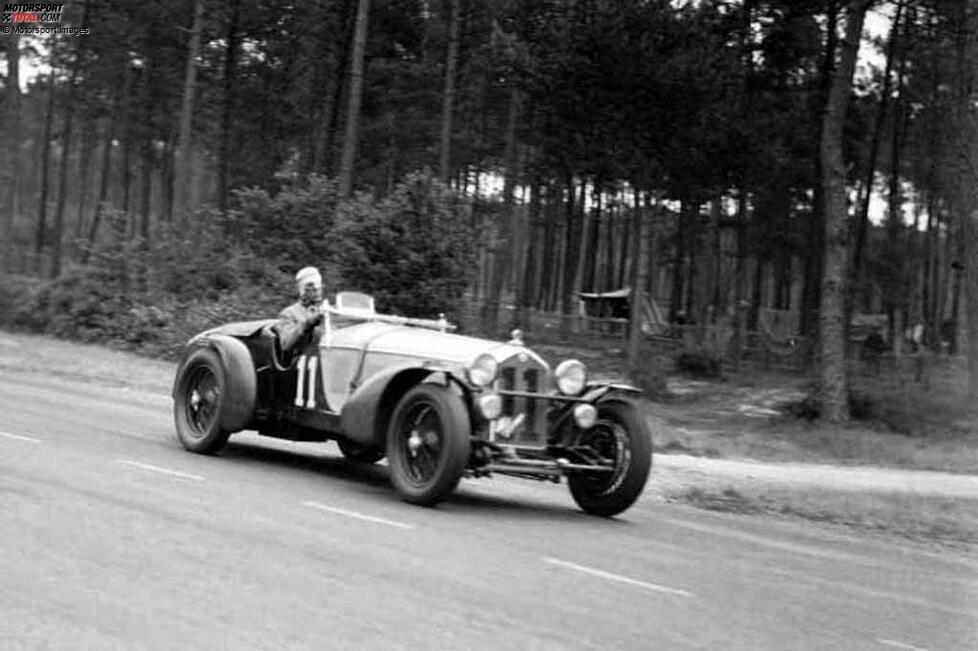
202	401
428	444
199	399
619	439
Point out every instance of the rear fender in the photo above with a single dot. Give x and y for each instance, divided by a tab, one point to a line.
240	379
366	414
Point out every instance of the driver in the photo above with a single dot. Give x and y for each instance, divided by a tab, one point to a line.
300	323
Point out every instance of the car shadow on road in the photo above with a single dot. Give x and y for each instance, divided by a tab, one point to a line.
308	461
471	499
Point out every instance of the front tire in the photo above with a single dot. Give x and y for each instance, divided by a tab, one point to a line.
428	444
199	402
621	436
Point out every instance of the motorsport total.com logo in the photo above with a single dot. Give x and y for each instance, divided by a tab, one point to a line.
31	13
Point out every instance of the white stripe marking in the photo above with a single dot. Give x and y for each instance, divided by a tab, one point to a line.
617	577
358	516
165	471
900	645
18	437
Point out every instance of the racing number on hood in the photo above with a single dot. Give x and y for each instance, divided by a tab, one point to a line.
305	383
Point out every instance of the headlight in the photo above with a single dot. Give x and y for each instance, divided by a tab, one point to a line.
585	416
483	370
491	406
571	377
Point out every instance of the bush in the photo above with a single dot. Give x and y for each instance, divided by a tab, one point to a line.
293	228
862	407
413	250
699	364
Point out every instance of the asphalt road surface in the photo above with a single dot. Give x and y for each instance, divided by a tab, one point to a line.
113	537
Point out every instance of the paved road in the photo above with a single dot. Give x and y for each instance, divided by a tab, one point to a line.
113	537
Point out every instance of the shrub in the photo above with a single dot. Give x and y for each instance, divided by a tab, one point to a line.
699	364
293	227
413	250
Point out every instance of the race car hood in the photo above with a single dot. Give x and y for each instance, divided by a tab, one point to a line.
424	343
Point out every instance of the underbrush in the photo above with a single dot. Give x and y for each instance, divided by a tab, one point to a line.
902	406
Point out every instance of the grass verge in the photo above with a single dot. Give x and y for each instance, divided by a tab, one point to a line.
920	518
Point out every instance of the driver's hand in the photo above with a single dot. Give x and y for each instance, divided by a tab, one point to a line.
314	319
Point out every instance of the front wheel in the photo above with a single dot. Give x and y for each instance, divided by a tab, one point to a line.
198	402
428	444
621	439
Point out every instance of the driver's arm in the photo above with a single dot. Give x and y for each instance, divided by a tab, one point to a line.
296	324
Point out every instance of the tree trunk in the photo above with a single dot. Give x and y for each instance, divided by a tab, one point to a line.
181	180
834	375
718	298
926	300
570	267
548	258
103	190
448	98
59	213
508	242
353	107
591	229
89	144
966	197
640	254
814	263
527	285
323	161
678	268
12	120
227	101
692	210
623	244
971	297
42	211
863	220
740	277
652	273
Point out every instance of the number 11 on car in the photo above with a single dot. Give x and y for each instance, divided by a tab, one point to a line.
305	383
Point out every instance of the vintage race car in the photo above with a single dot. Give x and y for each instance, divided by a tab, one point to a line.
440	406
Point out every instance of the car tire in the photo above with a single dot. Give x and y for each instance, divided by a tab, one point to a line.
621	433
428	444
199	403
359	453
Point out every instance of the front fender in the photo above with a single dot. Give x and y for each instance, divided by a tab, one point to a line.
240	379
598	390
365	415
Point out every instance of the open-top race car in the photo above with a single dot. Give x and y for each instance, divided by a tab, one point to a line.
438	405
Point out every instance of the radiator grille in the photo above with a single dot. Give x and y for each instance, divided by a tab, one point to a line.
527	376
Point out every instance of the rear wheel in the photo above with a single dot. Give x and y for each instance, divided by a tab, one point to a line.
198	402
620	439
359	453
428	444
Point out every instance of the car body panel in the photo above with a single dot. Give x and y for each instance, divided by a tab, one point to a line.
343	386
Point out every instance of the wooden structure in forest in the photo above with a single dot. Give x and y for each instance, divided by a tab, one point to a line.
609	312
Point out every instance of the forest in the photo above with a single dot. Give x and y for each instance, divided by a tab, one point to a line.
755	168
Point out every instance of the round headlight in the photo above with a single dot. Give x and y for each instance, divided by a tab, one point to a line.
483	370
571	377
491	406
